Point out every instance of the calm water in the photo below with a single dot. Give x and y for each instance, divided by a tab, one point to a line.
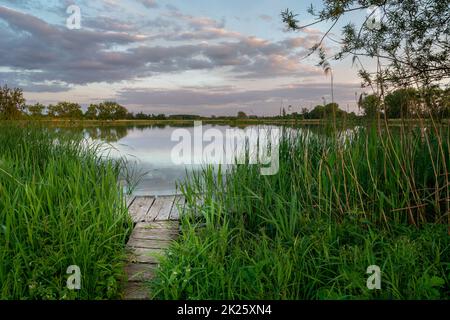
147	150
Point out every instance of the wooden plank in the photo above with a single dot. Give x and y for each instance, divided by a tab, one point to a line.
143	235
156	231
144	255
178	206
164	213
136	291
129	200
148	243
140	207
139	272
158	225
154	210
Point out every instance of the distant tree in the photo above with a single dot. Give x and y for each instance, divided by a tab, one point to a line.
66	110
370	105
12	103
91	112
110	110
107	110
36	110
284	113
435	102
242	115
160	116
318	112
332	110
398	102
141	116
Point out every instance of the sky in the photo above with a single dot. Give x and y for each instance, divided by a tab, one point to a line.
212	57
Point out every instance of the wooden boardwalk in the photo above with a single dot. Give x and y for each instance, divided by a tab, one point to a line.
156	225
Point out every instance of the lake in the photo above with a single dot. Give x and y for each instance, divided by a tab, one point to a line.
148	150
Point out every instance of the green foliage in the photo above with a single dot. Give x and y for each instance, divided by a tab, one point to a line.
412	38
243	115
36	110
12	103
66	110
371	106
338	205
400	103
327	111
107	110
60	205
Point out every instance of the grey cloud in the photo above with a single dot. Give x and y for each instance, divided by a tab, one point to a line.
265	17
190	97
87	56
149	3
109	24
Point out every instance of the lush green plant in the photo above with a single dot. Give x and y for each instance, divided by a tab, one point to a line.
12	103
338	205
60	205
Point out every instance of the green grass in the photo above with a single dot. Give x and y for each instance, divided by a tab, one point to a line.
60	205
311	231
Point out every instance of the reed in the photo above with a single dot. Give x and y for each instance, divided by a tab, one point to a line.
60	205
340	203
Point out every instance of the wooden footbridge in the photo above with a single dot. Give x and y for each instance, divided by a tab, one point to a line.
156	225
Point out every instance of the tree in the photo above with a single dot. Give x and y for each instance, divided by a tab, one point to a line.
12	103
242	115
412	38
317	113
399	102
370	105
91	112
107	110
67	110
36	110
332	109
141	116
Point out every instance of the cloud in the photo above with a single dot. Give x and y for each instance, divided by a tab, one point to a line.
190	98
97	55
152	4
265	17
105	23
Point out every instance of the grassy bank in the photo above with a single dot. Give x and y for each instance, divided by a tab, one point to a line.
336	207
60	205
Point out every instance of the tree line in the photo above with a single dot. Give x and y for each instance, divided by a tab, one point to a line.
401	103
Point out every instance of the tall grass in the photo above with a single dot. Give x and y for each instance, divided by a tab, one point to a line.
60	205
339	204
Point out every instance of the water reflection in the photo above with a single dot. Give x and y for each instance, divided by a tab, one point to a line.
147	150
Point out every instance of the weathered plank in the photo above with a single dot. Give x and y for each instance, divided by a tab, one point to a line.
145	255
160	205
166	207
158	225
178	206
139	272
139	208
136	291
149	243
154	235
129	200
